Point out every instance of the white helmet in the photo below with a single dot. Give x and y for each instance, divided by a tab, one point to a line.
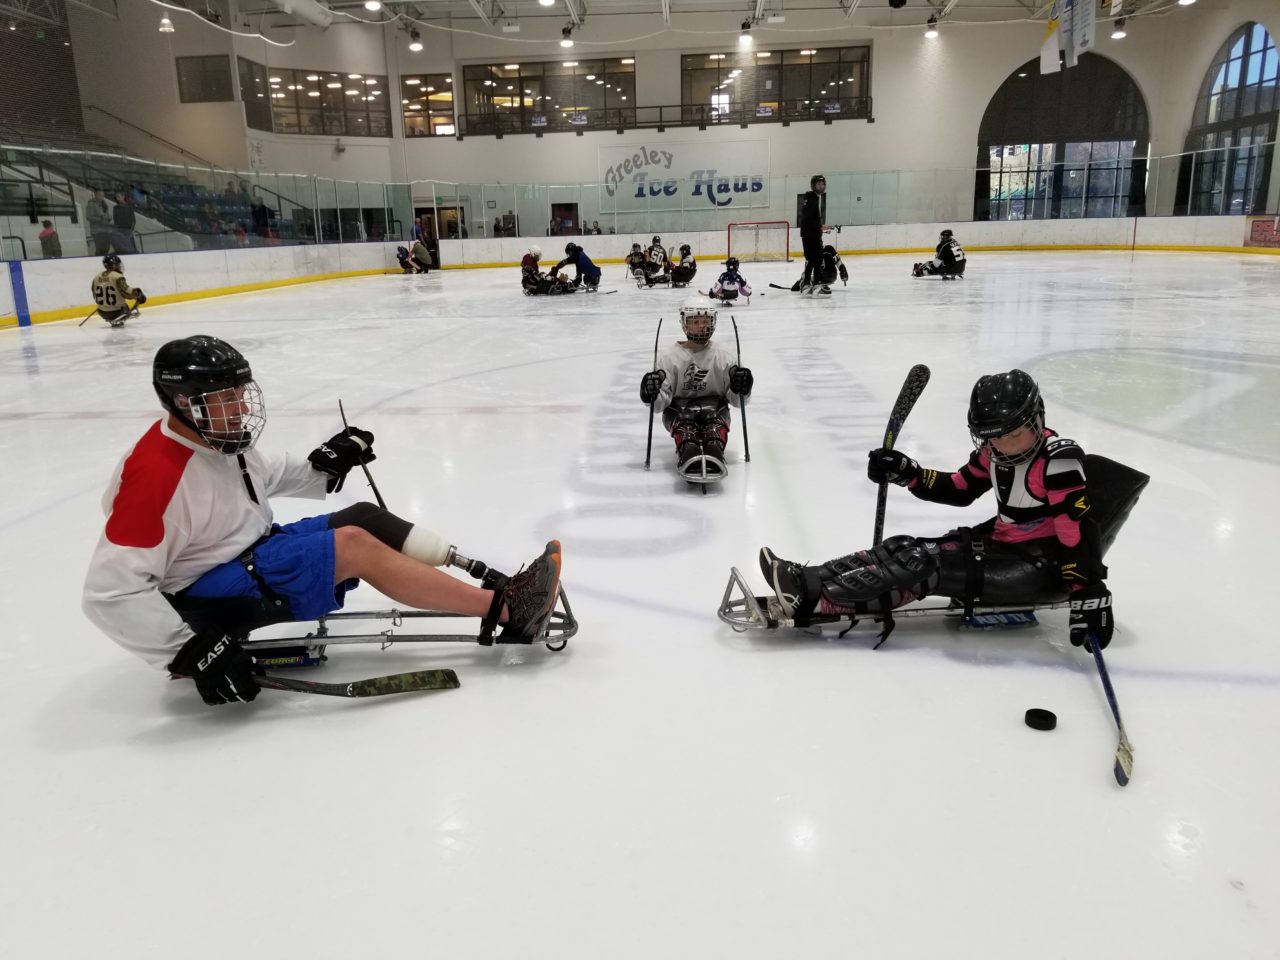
536	251
700	308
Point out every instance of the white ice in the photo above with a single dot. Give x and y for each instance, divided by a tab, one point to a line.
666	788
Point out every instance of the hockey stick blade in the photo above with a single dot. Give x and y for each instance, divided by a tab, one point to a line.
373	687
1123	768
912	387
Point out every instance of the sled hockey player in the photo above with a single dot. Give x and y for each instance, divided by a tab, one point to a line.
636	261
948	261
1045	544
682	273
530	277
112	293
830	267
658	264
190	560
693	384
730	284
588	274
402	258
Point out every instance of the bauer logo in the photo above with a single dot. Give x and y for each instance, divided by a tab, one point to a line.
680	175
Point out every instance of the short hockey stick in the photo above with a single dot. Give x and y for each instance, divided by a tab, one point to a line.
648	447
363	466
778	286
86	319
373	687
746	441
912	387
1123	768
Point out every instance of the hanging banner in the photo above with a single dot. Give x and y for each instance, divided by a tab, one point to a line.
1084	26
684	175
1050	46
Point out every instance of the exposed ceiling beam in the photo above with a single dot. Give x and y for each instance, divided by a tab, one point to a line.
849	6
480	12
574	15
947	9
666	12
32	11
759	11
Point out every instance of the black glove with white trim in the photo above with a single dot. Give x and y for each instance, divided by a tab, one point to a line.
891	466
223	672
338	455
1092	616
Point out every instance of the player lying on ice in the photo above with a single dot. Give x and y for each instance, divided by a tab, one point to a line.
693	383
1058	512
190	560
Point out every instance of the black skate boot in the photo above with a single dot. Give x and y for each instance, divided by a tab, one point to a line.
787	580
530	597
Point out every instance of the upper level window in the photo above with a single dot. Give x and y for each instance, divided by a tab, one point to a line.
320	103
572	90
426	100
204	79
761	84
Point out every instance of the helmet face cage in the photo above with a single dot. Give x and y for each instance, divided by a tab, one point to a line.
704	316
657	241
731	263
996	410
946	235
686	249
536	251
635	248
111	262
230	420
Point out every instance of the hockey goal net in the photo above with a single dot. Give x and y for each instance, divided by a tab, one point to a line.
761	241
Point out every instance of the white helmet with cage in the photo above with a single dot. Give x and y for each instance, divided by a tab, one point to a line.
702	313
536	251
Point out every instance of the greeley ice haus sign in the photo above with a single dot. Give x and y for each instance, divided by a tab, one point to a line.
683	175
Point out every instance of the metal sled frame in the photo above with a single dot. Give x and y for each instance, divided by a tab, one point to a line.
750	612
561	627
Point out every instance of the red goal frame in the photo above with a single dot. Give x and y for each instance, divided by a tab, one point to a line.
756	255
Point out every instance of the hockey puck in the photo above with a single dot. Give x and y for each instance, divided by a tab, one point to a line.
1038	719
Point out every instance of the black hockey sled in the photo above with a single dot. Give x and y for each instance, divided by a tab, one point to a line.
1114	490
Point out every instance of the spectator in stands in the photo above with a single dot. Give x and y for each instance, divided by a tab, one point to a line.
125	221
261	218
595	228
231	194
97	216
497	226
50	243
419	229
245	198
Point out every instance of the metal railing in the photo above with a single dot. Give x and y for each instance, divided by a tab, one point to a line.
152	136
524	120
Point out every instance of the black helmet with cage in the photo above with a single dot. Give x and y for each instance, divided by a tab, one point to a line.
208	385
571	248
686	250
701	311
946	235
657	241
731	263
635	248
1001	403
111	262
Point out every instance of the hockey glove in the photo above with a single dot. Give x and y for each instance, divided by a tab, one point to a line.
741	381
891	466
142	298
340	453
223	672
651	385
1092	616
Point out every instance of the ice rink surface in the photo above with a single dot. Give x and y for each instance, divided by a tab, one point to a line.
665	787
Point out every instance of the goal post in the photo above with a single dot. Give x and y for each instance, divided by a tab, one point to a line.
760	241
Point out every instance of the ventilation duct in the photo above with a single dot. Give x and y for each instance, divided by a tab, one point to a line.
308	10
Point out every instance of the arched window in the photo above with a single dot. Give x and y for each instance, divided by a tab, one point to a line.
1235	116
1068	144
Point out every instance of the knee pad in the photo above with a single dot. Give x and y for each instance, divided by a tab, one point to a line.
382	524
886	576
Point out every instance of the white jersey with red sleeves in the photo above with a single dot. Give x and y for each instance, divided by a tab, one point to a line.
175	510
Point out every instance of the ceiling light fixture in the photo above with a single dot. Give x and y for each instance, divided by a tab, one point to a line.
744	38
166	25
546	3
1118	32
373	6
931	29
566	37
415	41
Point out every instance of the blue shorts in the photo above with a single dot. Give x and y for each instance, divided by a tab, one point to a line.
296	561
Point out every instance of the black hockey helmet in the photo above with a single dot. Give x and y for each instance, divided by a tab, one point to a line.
571	248
1001	403
111	262
816	179
402	252
946	234
686	250
731	263
635	248
186	372
657	241
829	250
